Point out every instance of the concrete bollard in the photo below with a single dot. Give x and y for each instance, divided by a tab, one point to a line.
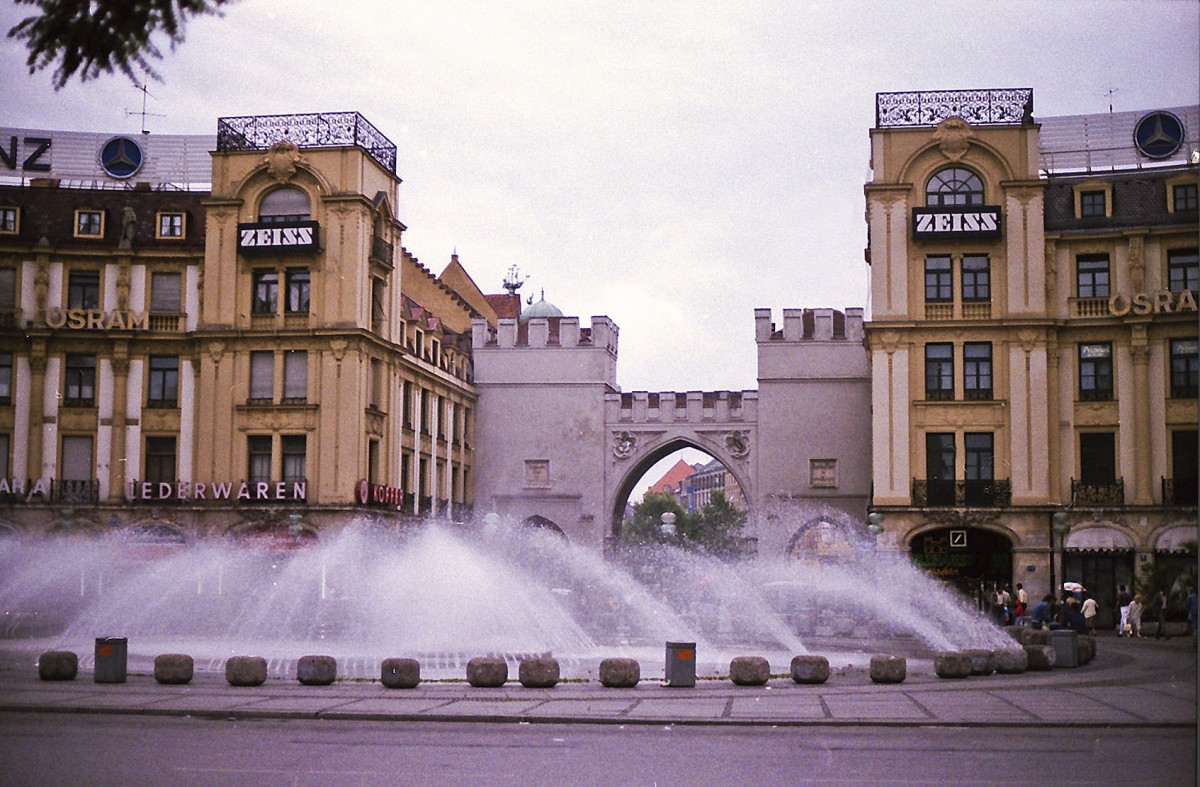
1086	649
810	669
983	662
749	671
400	673
173	668
1011	661
1035	637
951	664
487	672
1014	632
58	665
620	673
888	669
539	672
316	670
1041	657
246	670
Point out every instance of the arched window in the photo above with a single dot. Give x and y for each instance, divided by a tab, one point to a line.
285	204
954	186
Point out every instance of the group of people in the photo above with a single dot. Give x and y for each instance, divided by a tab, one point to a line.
1004	610
1133	607
1071	614
1079	610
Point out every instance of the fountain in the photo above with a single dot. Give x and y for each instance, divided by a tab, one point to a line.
445	593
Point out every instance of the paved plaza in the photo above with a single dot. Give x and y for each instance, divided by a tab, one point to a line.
1131	683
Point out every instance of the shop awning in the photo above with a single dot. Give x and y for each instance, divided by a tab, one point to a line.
1097	538
1173	539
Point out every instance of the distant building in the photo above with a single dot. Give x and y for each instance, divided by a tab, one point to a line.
673	481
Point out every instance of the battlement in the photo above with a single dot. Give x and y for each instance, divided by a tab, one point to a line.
561	332
809	325
682	406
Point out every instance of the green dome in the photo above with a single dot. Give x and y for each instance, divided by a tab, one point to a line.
542	308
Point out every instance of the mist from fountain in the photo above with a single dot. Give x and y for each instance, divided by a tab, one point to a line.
445	593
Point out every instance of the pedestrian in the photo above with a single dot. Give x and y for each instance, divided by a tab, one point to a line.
1123	599
1089	614
1073	618
1191	612
998	605
1022	601
1008	605
1160	611
1135	616
1042	613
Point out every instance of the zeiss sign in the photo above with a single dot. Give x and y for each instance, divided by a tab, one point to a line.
265	237
946	222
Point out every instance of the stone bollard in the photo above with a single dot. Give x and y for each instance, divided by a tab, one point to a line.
316	670
1011	661
888	669
539	672
749	671
487	672
951	664
400	673
246	670
620	673
1035	637
1086	649
810	669
1041	657
983	662
1014	632
58	665
173	668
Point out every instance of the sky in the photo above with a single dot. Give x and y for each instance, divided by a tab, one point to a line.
670	165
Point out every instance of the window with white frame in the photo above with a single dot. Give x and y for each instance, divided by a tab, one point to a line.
89	223
171	225
262	376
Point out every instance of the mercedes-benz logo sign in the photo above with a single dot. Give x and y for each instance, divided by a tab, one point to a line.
121	157
1158	135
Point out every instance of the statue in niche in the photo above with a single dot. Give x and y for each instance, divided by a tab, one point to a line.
129	222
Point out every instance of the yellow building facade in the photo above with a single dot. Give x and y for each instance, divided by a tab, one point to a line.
1032	341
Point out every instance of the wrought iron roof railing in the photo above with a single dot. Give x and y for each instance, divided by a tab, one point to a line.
320	129
1008	106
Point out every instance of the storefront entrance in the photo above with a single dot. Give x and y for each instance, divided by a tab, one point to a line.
1101	572
970	559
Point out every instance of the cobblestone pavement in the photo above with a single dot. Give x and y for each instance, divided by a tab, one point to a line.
1131	683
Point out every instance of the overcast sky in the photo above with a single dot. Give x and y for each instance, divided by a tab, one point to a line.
670	165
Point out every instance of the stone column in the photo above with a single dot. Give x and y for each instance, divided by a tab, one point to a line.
1143	494
37	409
117	472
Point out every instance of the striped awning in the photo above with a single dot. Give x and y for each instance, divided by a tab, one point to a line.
1173	539
1097	538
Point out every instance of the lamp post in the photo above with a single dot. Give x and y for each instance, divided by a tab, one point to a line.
875	524
1060	525
668	524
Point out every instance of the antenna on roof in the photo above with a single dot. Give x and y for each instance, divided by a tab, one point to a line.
1110	93
143	113
513	281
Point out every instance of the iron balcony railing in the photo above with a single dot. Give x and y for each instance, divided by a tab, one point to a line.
312	130
1108	494
1007	106
1179	491
381	250
951	493
68	491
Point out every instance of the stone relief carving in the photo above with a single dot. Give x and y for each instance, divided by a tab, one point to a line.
738	443
281	159
953	137
624	444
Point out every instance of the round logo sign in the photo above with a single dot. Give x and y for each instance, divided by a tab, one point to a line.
364	492
1158	135
121	157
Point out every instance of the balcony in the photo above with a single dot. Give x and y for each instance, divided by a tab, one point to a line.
382	251
1089	307
168	323
1179	492
68	491
940	493
1109	494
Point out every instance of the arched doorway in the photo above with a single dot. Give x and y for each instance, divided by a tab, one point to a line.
544	525
971	559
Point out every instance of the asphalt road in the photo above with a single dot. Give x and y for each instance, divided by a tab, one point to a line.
43	749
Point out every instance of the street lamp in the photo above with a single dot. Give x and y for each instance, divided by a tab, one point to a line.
1060	523
668	524
875	523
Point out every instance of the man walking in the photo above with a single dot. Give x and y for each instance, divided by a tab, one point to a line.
1124	597
1160	610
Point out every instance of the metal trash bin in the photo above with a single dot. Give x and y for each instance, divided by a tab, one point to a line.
112	654
681	664
1066	648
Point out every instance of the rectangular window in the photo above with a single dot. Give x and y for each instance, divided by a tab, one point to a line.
378	313
160	460
4	462
373	461
89	224
76	462
165	293
164	381
80	388
83	290
408	404
976	278
294	448
939	371
8	289
979	456
938	280
298	288
1185	197
1184	468
1091	276
262	376
1091	203
1185	369
258	453
1183	270
170	225
6	371
295	375
375	385
1095	372
939	468
10	221
266	292
1097	458
977	371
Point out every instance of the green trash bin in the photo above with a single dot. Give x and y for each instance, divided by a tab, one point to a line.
112	654
681	664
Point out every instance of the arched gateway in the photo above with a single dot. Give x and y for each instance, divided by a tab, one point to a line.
557	439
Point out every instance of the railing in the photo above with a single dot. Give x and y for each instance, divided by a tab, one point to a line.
1089	307
935	493
67	491
9	318
1009	106
382	250
1179	491
325	129
939	311
977	310
171	323
1110	494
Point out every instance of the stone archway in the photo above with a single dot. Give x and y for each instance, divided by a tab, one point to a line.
541	523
